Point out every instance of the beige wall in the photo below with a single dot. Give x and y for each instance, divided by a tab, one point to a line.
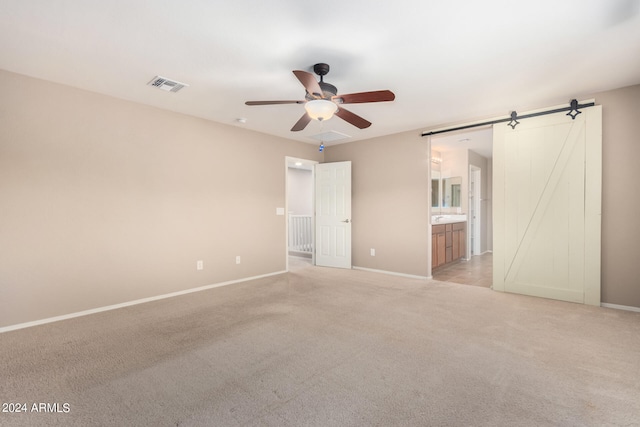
300	191
620	201
390	201
104	201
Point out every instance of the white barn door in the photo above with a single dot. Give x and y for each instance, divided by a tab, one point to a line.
333	214
547	207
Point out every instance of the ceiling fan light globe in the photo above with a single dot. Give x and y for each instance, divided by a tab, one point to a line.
320	109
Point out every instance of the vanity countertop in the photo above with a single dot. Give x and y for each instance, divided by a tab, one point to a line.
447	219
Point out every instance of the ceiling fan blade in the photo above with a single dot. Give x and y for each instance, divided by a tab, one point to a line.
309	82
352	118
273	102
302	123
360	97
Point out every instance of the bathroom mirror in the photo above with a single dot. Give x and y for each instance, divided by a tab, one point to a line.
451	192
435	189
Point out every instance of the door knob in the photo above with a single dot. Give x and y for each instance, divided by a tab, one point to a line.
346	220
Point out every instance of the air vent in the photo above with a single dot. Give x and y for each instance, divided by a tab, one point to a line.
166	84
330	136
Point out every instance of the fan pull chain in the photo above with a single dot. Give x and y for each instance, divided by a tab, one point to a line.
321	148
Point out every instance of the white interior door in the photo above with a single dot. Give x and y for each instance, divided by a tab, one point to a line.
333	214
547	207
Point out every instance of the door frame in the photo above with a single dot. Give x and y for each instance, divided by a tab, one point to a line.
430	209
306	162
475	173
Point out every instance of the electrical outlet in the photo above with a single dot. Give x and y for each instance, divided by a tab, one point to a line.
200	265
373	252
238	259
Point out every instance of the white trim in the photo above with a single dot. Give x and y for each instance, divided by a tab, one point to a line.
620	307
393	273
485	252
475	174
429	211
130	303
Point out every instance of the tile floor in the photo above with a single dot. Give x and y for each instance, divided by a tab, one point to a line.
478	271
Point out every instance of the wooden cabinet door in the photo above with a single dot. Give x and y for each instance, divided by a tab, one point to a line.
434	251
442	249
455	245
438	245
448	244
459	240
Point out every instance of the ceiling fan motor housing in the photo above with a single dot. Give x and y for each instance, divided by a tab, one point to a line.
328	90
321	69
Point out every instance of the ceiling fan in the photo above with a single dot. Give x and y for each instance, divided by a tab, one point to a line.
322	100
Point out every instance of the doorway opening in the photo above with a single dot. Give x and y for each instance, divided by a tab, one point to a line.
462	162
300	213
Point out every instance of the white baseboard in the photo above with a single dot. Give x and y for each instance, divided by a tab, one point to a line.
393	273
130	303
620	307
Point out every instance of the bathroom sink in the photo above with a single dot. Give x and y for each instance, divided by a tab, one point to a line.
447	219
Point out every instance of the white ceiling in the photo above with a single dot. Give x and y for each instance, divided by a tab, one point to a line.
479	140
445	61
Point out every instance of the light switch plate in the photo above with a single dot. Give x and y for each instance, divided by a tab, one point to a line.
279	211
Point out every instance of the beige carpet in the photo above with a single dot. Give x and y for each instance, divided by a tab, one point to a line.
328	347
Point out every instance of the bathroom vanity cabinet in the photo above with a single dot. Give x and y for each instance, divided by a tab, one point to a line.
448	243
